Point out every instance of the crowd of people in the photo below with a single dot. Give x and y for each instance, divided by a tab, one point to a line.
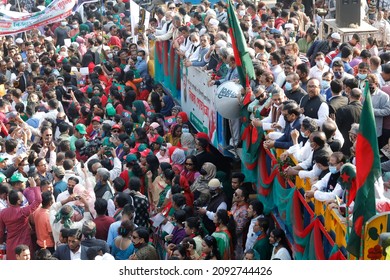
105	165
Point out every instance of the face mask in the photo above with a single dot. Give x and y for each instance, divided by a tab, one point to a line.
185	130
26	168
110	55
320	63
59	121
139	58
258	233
275	244
361	76
288	86
195	44
334	44
242	13
325	84
338	75
276	106
75	26
333	169
64	23
303	135
372	90
70	191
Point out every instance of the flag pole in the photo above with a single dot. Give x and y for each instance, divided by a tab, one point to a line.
347	219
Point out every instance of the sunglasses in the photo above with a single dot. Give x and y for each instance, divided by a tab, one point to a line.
115	131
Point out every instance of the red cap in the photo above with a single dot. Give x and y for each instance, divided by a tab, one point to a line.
97	119
145	153
202	135
116	126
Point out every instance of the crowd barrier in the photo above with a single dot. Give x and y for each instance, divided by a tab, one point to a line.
315	231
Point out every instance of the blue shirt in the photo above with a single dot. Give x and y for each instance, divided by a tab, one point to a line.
142	68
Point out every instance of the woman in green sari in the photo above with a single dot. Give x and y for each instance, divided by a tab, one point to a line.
225	233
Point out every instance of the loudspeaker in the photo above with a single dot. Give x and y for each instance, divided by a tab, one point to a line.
347	12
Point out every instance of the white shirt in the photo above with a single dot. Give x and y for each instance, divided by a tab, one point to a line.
300	152
323	113
3	204
251	236
315	72
75	256
282	254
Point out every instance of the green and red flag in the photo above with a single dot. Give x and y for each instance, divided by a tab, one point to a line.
241	54
368	170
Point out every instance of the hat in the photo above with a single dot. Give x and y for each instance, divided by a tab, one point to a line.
288	26
60	78
130	158
3	159
145	153
110	110
59	171
336	36
97	119
116	126
60	59
17	177
215	184
214	22
159	140
138	148
2	177
154	125
81	128
19	41
202	135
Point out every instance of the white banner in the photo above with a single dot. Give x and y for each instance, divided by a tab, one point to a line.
134	15
197	99
11	22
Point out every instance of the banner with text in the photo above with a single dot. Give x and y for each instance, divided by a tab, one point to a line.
197	99
11	23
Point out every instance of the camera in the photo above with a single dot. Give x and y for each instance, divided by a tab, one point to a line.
91	148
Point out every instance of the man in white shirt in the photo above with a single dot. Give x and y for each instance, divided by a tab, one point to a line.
255	211
320	68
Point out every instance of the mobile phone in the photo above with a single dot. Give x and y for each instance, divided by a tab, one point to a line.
69	89
82	163
77	197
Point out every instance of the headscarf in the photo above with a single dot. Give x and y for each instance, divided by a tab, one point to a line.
183	116
201	183
168	105
177	108
115	41
65	216
178	157
210	169
188	141
140	107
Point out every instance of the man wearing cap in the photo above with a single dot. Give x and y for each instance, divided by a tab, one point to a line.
8	170
16	220
218	201
96	126
79	133
18	183
323	46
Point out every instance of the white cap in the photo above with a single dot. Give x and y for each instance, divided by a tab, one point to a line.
289	26
214	22
19	41
336	36
49	39
214	184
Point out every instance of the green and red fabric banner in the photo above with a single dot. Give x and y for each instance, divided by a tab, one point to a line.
241	54
368	170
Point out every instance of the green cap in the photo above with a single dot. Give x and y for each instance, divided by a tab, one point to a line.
110	110
17	177
2	177
3	159
159	140
81	128
131	158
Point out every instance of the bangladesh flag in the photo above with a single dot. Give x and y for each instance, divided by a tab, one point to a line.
368	170
241	55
